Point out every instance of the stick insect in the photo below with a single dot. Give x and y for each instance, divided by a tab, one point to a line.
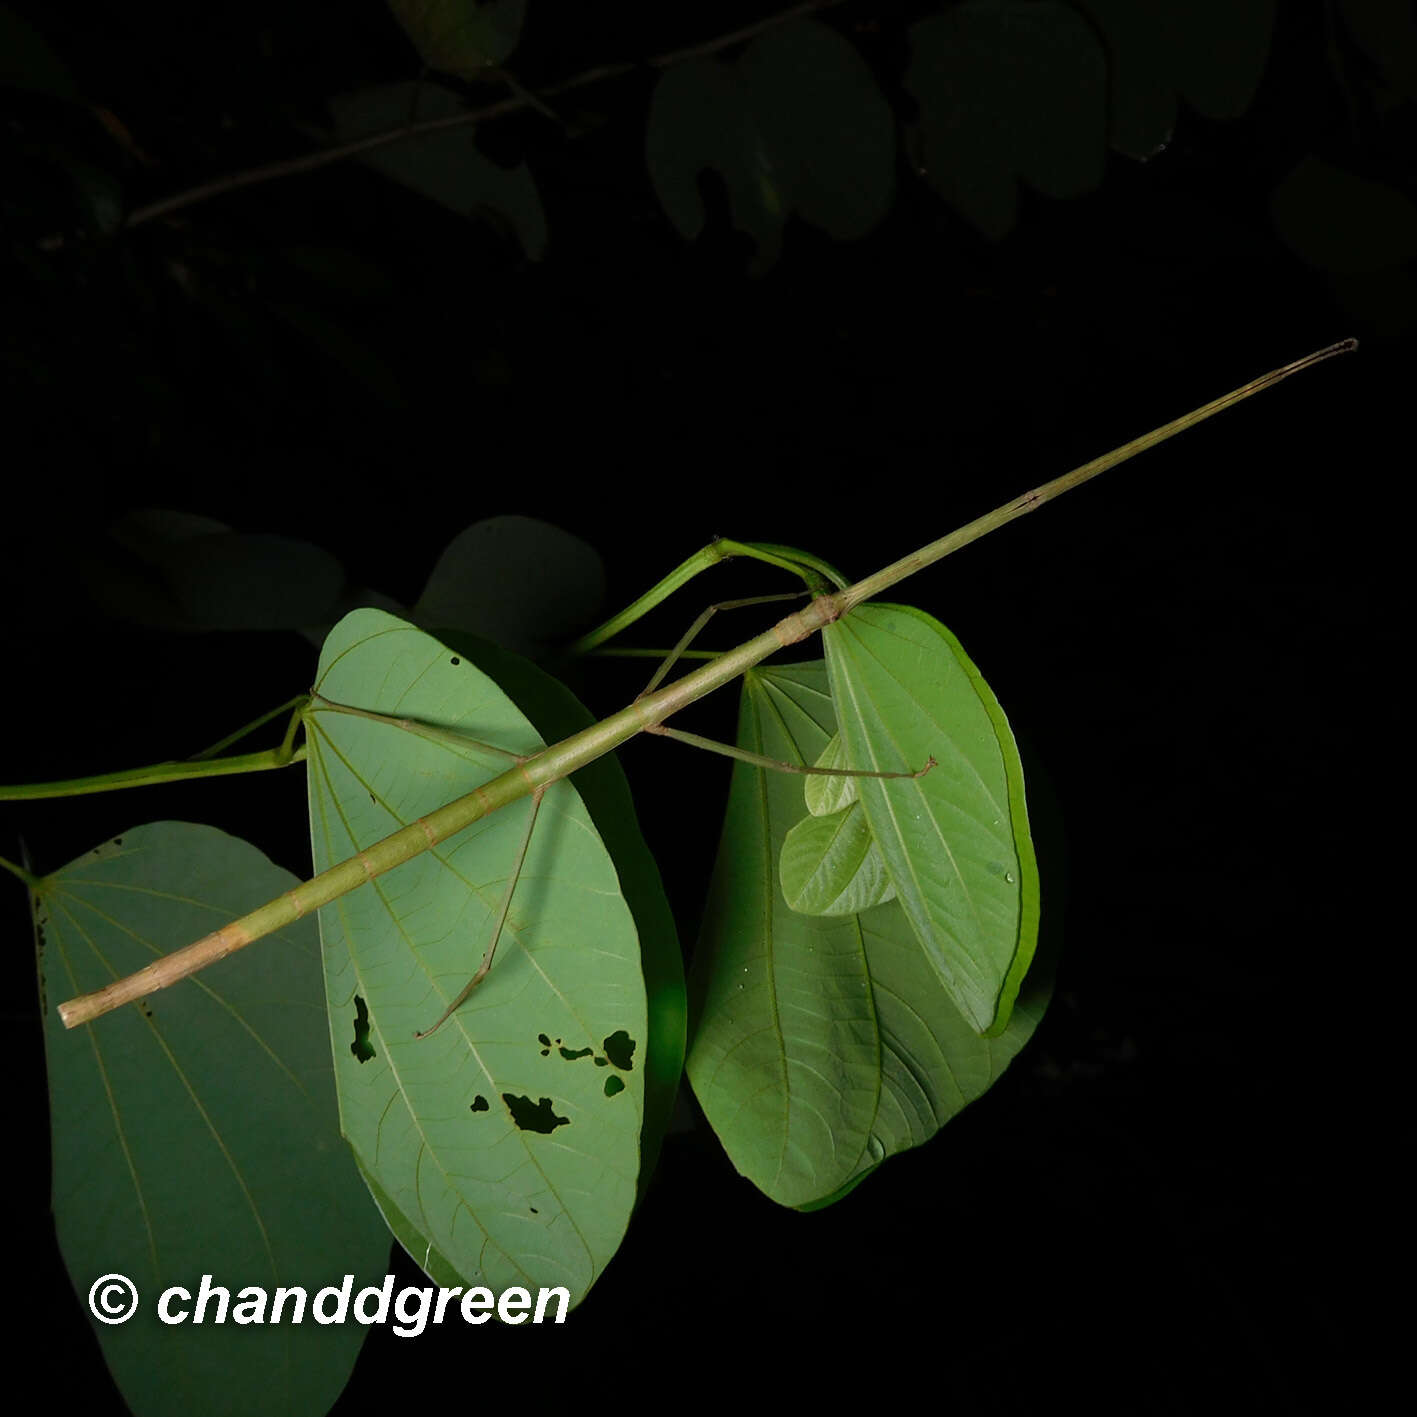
532	774
456	738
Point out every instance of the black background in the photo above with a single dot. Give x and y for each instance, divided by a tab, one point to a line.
1155	1209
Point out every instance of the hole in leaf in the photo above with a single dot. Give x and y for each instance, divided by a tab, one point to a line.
455	660
613	1085
620	1049
570	1055
542	1039
533	1116
599	1062
362	1048
479	1103
533	1210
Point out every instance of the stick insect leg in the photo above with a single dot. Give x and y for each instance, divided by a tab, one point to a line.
501	919
694	630
776	764
319	703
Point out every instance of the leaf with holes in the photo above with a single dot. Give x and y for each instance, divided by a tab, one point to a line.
956	841
508	1140
163	1169
823	1044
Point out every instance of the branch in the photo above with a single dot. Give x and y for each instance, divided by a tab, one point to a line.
521	99
540	770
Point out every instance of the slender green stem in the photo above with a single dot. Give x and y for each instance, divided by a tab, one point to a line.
286	749
28	877
157	772
805	558
297	703
561	759
716	551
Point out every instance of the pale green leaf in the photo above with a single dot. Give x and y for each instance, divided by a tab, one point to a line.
495	1139
956	840
196	1132
827	794
831	865
821	1045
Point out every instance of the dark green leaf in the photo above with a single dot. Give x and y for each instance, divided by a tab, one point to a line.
461	37
444	166
522	583
1008	90
1340	221
796	124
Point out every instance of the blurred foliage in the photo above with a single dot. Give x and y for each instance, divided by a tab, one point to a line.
330	313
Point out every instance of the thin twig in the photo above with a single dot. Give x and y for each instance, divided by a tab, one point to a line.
521	99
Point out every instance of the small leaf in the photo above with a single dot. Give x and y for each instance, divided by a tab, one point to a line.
1006	91
445	166
827	794
461	37
830	865
956	840
195	1132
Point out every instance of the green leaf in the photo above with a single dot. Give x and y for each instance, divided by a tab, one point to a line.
1008	90
195	1132
955	841
556	713
831	865
461	37
444	166
826	794
797	123
521	583
493	1138
820	1045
